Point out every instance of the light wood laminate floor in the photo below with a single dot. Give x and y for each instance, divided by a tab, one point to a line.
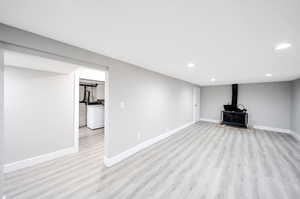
86	132
202	161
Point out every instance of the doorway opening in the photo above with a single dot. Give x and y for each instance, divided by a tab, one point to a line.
91	109
91	112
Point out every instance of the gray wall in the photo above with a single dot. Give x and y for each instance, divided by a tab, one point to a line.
212	99
268	103
295	107
38	110
133	85
154	104
1	120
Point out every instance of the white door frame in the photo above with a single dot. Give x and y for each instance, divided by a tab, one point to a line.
1	120
106	114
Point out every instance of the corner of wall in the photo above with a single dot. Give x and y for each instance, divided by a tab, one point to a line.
295	106
291	105
296	135
1	119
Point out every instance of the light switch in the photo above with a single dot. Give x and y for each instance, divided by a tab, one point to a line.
122	105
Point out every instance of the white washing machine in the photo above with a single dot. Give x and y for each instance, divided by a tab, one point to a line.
95	116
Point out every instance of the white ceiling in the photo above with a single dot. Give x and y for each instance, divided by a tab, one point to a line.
232	41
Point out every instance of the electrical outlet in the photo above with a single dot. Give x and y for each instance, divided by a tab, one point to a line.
122	105
138	135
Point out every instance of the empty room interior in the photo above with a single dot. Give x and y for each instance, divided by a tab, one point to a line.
149	99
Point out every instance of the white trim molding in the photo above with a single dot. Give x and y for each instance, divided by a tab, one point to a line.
108	162
267	128
210	120
38	159
106	113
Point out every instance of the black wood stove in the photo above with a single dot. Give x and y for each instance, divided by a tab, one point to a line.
232	115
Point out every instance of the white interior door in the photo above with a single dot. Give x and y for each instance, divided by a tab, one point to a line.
196	104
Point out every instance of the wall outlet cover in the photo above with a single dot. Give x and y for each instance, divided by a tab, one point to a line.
122	105
138	136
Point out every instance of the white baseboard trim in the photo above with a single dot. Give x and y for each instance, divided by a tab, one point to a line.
38	159
267	128
108	162
210	120
260	127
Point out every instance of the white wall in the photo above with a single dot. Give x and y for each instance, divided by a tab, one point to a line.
1	120
268	103
91	74
295	107
154	104
100	89
38	108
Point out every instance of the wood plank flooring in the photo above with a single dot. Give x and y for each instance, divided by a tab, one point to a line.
202	161
86	132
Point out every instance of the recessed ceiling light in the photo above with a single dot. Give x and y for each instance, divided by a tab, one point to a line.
213	79
269	75
191	65
282	46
